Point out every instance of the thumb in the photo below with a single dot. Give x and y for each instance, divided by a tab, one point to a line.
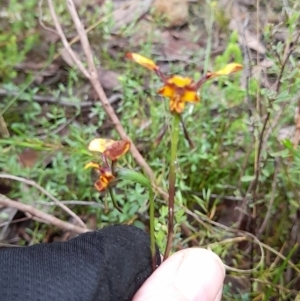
188	275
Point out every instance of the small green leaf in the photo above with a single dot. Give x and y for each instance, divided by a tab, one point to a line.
283	153
134	176
247	178
287	143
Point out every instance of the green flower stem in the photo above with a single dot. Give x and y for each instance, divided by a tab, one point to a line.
113	167
112	196
172	182
152	238
137	177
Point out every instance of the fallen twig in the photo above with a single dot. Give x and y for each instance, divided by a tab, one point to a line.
73	202
53	100
48	99
65	42
5	201
48	194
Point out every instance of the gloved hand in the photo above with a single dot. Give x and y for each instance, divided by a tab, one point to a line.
110	264
106	265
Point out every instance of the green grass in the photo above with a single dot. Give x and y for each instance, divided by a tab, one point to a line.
226	128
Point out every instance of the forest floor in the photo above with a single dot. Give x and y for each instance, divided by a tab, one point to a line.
237	187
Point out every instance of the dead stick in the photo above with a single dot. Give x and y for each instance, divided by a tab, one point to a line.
48	194
6	202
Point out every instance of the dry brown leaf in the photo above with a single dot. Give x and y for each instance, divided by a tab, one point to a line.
48	36
29	157
177	46
247	38
144	30
109	79
128	12
175	11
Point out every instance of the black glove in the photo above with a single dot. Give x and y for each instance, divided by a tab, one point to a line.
106	265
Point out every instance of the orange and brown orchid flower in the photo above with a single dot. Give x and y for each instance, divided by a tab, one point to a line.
177	88
111	149
105	176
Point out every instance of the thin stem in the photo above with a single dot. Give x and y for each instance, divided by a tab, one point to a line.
152	238
113	167
186	134
114	200
136	177
209	38
172	182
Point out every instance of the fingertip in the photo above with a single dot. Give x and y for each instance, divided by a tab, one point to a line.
190	274
200	275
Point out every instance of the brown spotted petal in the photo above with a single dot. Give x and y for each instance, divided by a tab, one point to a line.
117	149
105	178
110	148
104	175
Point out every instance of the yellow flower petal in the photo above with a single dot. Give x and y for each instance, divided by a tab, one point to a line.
100	145
143	61
228	69
166	91
190	96
91	165
179	81
110	148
